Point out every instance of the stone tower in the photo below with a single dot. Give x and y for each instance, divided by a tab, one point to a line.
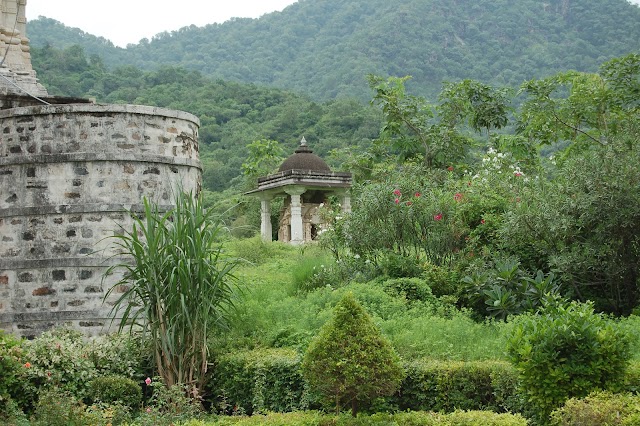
70	170
17	76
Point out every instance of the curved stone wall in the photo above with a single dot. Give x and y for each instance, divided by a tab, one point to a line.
68	173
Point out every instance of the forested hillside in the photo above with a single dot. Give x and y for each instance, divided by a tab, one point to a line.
232	115
325	48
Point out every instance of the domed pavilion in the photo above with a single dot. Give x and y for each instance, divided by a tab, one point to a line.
306	181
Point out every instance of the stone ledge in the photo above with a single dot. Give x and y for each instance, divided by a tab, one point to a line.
98	109
68	262
82	157
75	209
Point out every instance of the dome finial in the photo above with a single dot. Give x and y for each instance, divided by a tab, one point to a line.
303	142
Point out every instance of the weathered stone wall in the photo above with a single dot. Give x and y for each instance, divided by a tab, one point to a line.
67	174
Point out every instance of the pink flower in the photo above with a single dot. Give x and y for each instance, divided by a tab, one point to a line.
147	381
517	174
27	365
417	194
148	410
397	192
437	216
482	221
450	168
408	203
458	196
397	200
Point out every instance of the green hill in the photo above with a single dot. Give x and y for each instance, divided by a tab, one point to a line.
325	47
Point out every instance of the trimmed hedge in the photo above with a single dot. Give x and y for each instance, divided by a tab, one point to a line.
416	418
114	389
269	380
258	381
447	386
600	408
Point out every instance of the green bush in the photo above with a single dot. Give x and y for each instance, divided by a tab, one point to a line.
412	289
396	265
350	361
10	371
258	381
114	389
447	386
567	351
313	271
601	408
59	408
169	405
415	418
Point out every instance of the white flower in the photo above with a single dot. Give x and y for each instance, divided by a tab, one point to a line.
356	256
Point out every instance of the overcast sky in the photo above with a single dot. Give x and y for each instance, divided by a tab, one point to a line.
128	21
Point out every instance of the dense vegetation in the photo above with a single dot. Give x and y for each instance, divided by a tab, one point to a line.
232	115
325	49
494	239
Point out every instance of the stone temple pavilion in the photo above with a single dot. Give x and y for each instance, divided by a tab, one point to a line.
306	181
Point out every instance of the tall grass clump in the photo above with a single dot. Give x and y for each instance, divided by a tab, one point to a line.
179	287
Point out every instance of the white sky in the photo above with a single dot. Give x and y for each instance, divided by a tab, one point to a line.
129	21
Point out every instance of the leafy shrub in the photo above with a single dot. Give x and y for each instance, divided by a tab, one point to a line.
505	289
59	408
396	265
447	386
257	251
113	389
168	405
412	289
312	271
601	408
567	351
259	381
415	418
119	354
59	358
10	371
350	361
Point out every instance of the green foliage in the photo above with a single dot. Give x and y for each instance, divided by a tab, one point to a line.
179	288
264	158
59	408
312	271
169	405
115	389
597	409
417	418
411	289
259	381
447	386
507	290
10	371
65	360
350	362
567	351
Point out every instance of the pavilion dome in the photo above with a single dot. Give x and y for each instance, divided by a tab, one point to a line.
304	159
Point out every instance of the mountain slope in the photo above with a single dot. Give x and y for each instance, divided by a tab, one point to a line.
326	47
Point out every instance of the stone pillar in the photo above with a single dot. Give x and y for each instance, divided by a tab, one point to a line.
297	231
346	202
265	221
